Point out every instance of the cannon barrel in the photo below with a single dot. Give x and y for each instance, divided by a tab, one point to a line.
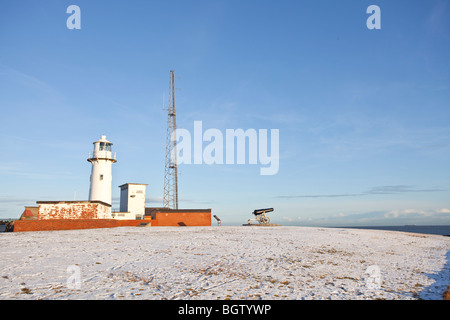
261	211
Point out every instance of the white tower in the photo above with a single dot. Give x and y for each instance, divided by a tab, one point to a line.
101	176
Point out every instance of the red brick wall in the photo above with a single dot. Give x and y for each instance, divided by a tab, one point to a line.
130	223
153	221
162	219
71	224
182	219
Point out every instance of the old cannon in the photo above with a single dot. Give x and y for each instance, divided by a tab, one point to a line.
260	216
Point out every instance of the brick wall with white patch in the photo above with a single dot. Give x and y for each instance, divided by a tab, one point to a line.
56	210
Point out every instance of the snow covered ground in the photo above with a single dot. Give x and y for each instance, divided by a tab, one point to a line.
223	263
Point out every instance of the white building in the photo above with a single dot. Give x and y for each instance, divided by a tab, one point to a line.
101	175
132	201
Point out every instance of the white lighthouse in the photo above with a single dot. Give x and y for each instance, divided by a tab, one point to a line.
101	176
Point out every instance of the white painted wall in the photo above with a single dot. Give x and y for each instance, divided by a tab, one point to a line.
132	199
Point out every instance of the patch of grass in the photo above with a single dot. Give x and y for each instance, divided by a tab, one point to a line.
26	291
446	295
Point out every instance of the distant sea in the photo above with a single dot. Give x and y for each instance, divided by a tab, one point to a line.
441	230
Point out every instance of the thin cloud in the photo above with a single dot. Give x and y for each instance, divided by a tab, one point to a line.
323	195
388	217
31	83
16	201
397	189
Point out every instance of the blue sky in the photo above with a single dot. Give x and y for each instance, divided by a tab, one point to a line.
363	115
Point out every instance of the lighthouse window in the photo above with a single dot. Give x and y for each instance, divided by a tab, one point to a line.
105	146
101	177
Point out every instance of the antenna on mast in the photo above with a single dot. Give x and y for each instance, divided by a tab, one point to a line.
170	199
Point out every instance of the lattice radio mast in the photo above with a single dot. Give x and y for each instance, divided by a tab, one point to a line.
170	199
